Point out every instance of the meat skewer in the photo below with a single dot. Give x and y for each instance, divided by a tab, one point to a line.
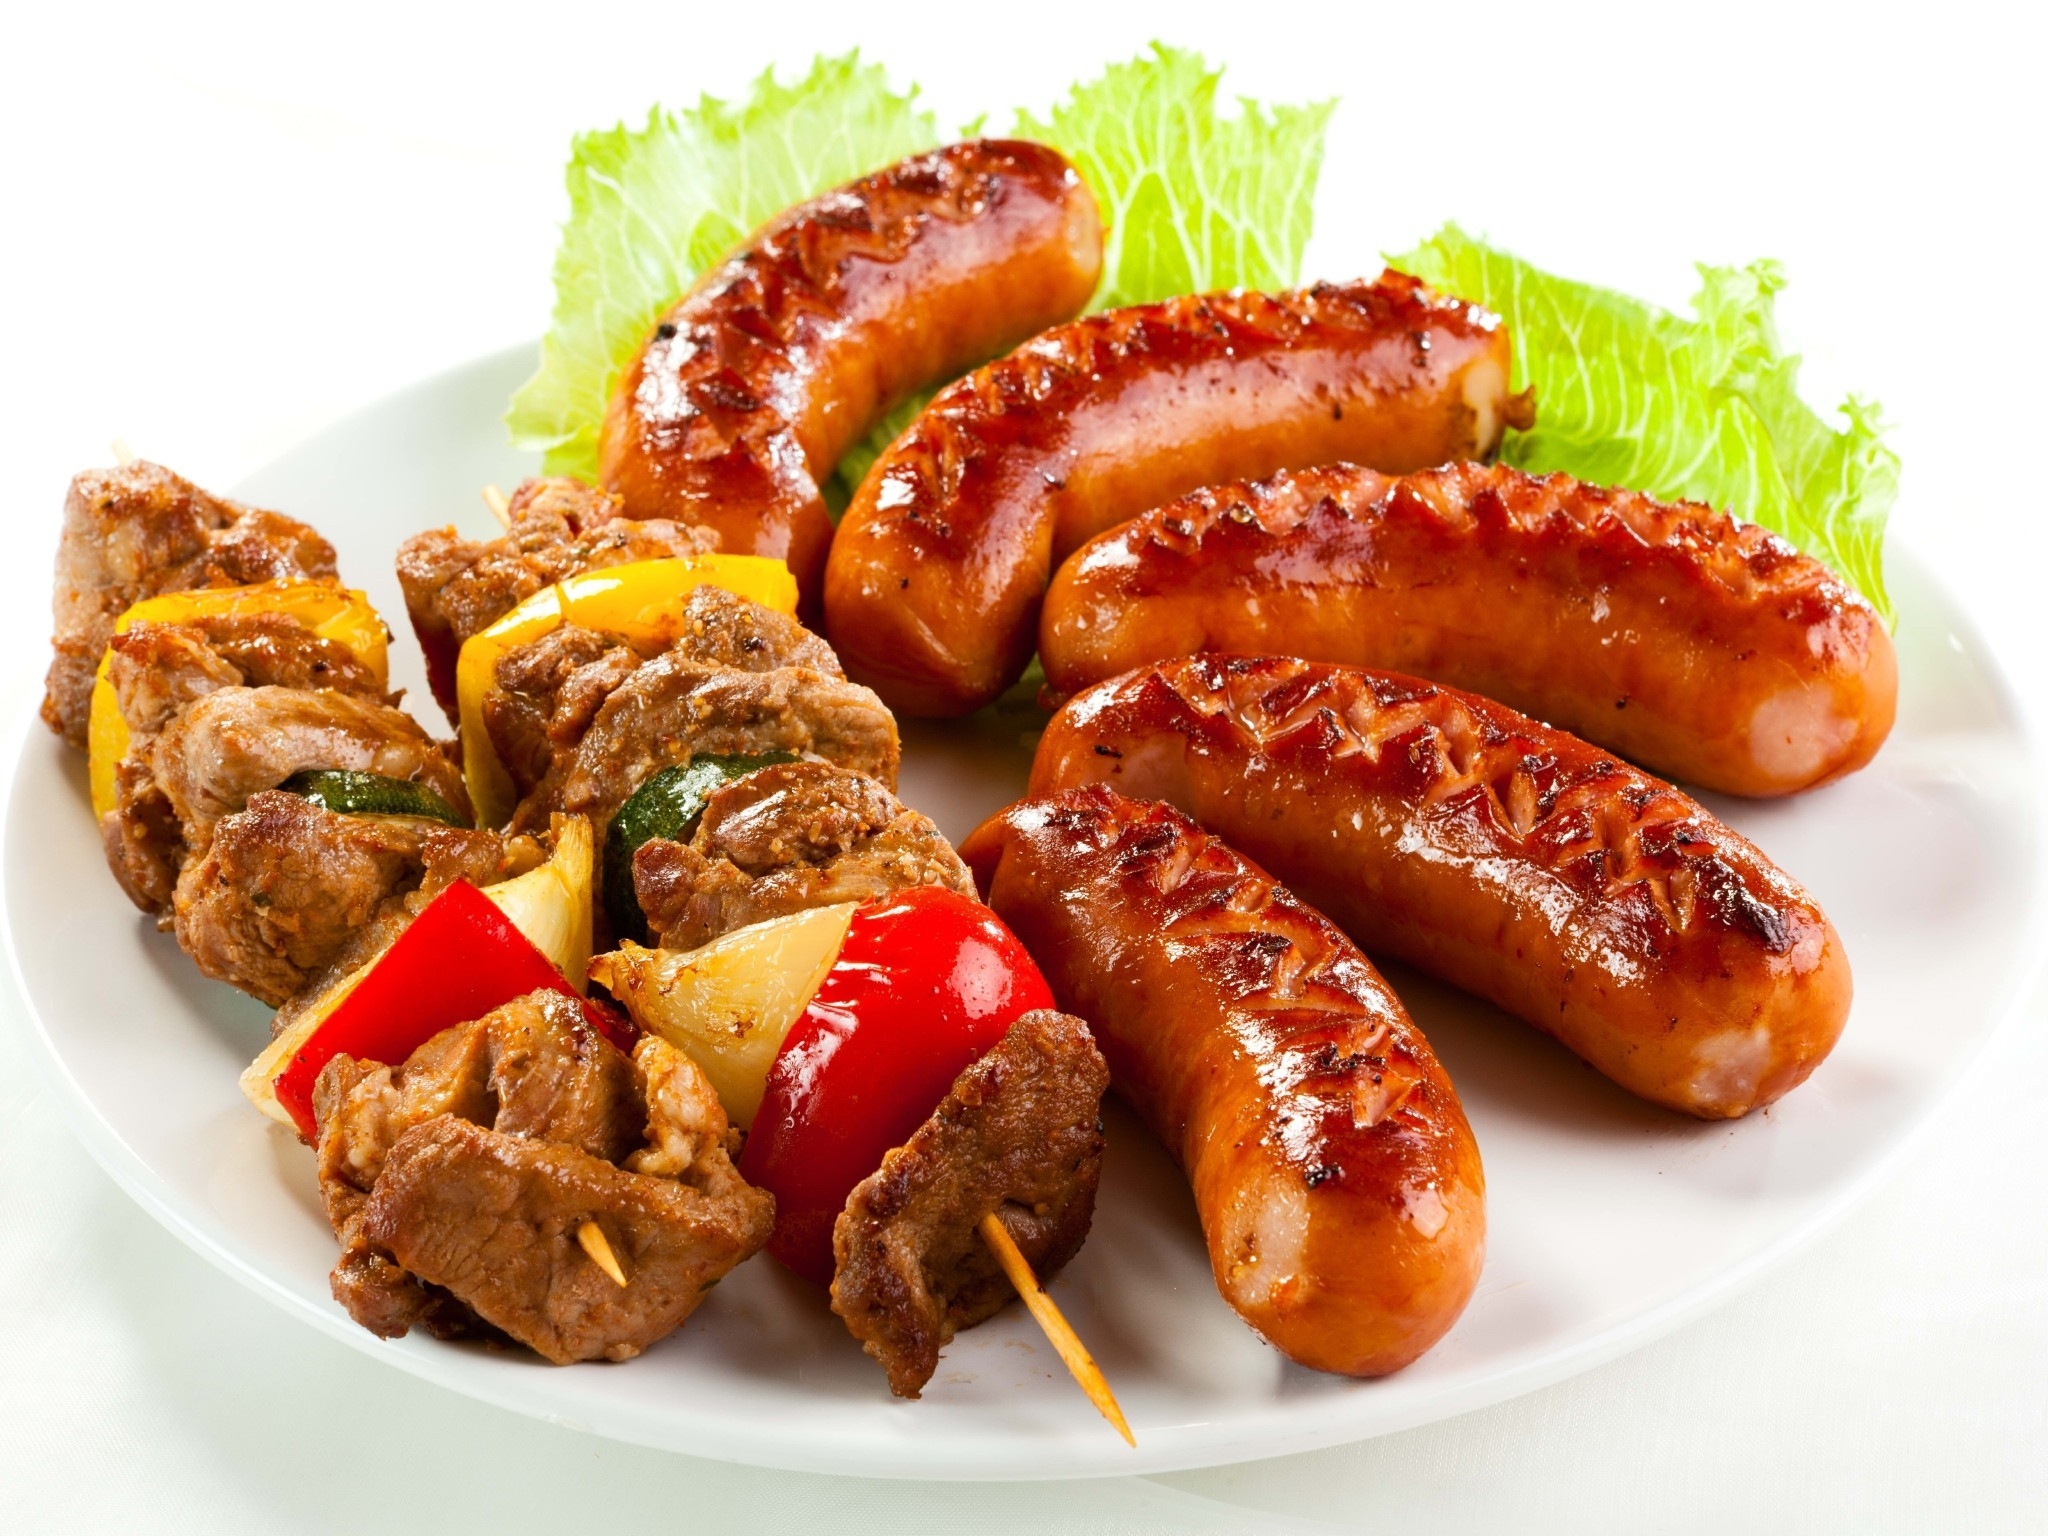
590	1237
219	675
500	505
829	1029
1057	1330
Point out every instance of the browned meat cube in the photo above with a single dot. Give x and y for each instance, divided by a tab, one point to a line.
132	532
781	840
286	888
534	1067
492	1219
456	587
443	1222
159	669
1019	1136
672	708
229	743
545	694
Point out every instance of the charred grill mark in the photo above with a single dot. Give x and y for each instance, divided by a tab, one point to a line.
1746	561
1047	378
1624	830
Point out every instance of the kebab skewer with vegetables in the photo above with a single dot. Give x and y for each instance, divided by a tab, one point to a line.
823	949
499	1154
258	791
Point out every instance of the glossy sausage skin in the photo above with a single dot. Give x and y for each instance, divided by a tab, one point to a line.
1506	858
790	350
1338	1183
1700	647
932	591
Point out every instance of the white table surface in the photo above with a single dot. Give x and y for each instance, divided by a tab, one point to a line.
226	228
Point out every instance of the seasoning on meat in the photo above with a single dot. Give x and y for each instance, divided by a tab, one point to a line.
740	679
457	1182
783	839
1019	1135
546	694
286	886
132	532
456	587
222	707
233	741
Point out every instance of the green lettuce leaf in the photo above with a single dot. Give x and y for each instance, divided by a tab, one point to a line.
1194	200
652	208
1705	408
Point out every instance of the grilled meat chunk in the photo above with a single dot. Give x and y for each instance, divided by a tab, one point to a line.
673	708
782	839
493	1219
235	741
285	887
545	694
512	1065
132	532
158	669
738	678
158	672
213	754
456	587
721	629
457	1183
534	1067
1019	1135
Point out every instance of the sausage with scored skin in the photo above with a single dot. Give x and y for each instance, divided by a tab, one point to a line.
1507	858
1339	1186
1701	647
791	350
935	577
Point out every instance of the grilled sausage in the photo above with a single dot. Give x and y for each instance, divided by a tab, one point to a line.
789	351
932	590
1505	857
1338	1183
1701	647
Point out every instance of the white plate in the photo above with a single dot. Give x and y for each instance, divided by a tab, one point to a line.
1610	1221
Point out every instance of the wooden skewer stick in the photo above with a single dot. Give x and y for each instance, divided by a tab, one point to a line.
591	1236
1058	1331
123	454
501	508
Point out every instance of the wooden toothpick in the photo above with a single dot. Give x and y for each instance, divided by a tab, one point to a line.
1058	1331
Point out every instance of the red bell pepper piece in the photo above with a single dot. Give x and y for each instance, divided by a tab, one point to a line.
459	959
925	983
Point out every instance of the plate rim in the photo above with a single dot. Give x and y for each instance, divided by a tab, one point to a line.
1192	1449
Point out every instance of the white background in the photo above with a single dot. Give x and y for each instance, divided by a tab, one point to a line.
225	228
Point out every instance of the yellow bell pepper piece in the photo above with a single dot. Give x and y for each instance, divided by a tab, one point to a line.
333	613
642	601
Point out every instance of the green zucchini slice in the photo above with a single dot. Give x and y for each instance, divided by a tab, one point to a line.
669	804
371	794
